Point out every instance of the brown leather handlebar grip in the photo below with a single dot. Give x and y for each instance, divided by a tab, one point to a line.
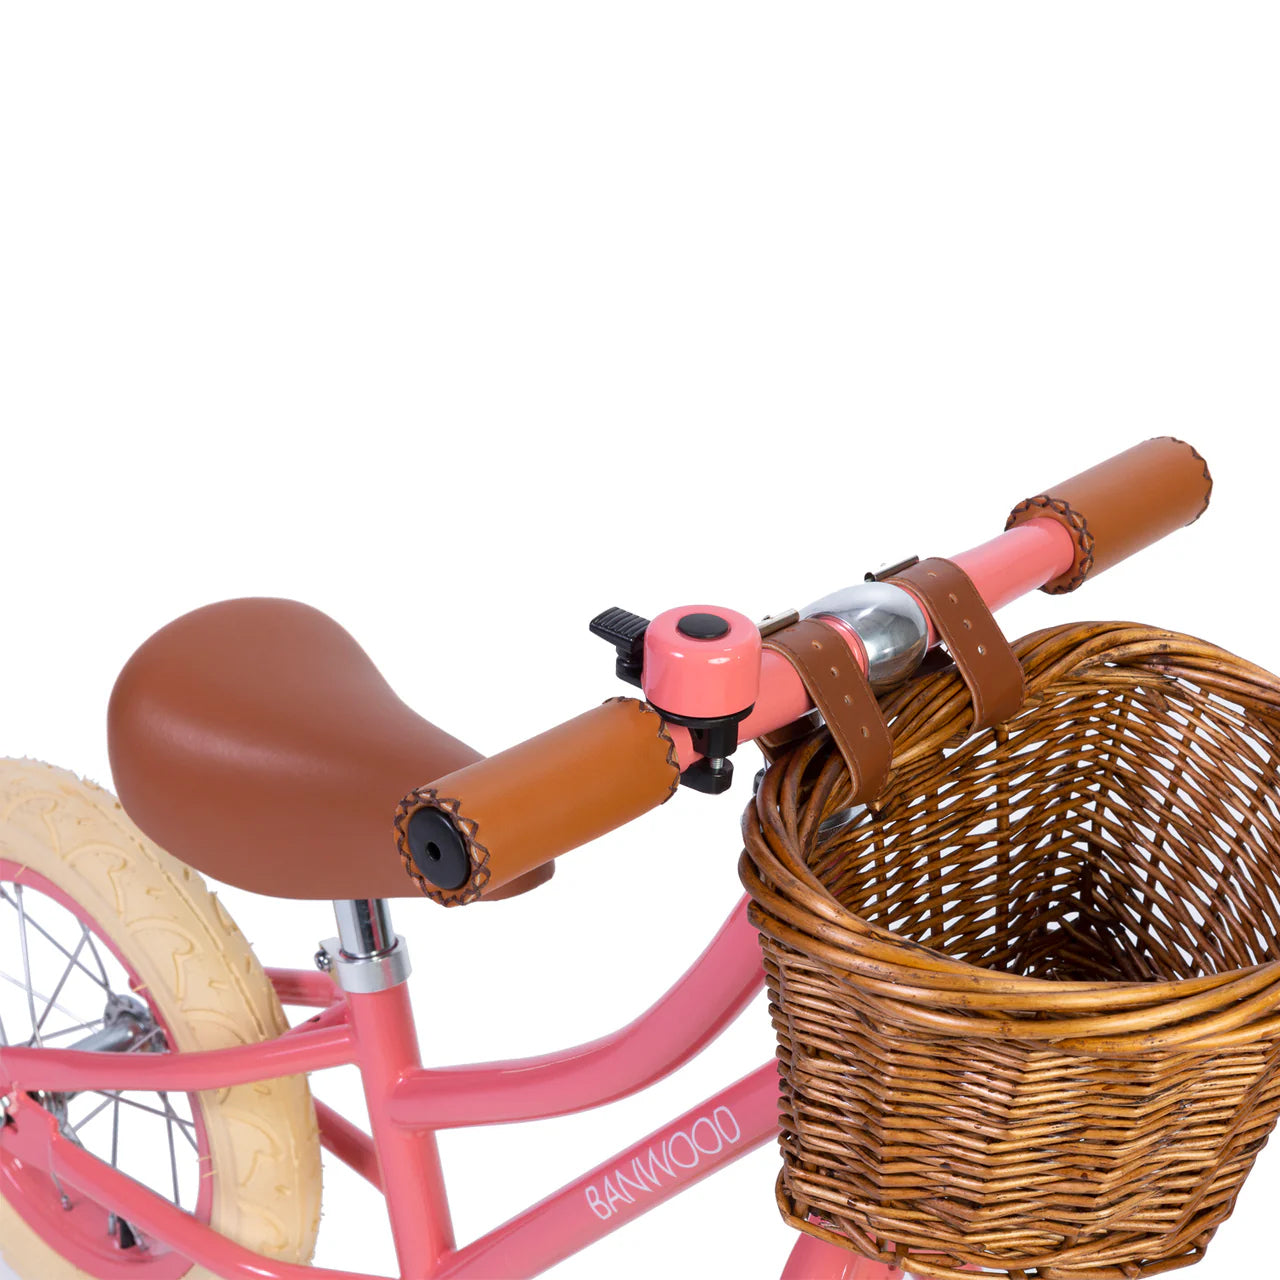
1122	505
512	812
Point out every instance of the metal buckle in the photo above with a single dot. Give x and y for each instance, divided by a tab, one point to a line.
778	622
890	570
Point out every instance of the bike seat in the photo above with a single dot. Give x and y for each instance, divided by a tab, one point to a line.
257	742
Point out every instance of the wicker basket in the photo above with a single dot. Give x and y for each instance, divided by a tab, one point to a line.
1028	1008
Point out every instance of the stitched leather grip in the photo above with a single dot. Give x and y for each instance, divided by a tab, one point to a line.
525	806
840	691
972	636
1122	505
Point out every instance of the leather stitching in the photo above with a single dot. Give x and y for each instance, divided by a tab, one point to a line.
1204	467
429	798
1079	526
672	759
1076	522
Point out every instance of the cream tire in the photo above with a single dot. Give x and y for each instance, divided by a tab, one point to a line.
210	991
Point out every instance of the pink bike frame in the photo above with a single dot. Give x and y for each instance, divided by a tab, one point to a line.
409	1103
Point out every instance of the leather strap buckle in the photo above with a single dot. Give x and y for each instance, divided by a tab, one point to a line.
887	571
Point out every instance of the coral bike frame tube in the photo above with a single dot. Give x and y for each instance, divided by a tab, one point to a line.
719	985
666	1162
407	1102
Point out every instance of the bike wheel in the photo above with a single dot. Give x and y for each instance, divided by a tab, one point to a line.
108	942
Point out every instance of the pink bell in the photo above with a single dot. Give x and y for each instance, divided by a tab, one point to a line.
702	670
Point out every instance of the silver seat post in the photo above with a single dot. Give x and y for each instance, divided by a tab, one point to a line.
367	955
364	927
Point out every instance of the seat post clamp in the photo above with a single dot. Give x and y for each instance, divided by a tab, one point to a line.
365	975
368	955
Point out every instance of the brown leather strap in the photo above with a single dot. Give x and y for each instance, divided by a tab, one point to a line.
972	636
841	693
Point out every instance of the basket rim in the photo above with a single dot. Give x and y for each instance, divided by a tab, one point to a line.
793	906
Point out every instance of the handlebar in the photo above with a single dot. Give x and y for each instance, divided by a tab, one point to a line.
1120	506
501	817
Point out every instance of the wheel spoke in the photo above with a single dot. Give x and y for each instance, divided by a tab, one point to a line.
93	948
104	982
115	1133
81	953
170	1117
142	1106
95	1025
185	1127
26	965
98	1110
62	982
32	997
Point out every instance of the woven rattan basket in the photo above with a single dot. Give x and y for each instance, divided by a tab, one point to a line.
1028	1007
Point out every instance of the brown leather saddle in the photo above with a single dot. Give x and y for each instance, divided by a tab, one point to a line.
257	742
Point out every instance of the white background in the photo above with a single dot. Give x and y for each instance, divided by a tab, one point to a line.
465	321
